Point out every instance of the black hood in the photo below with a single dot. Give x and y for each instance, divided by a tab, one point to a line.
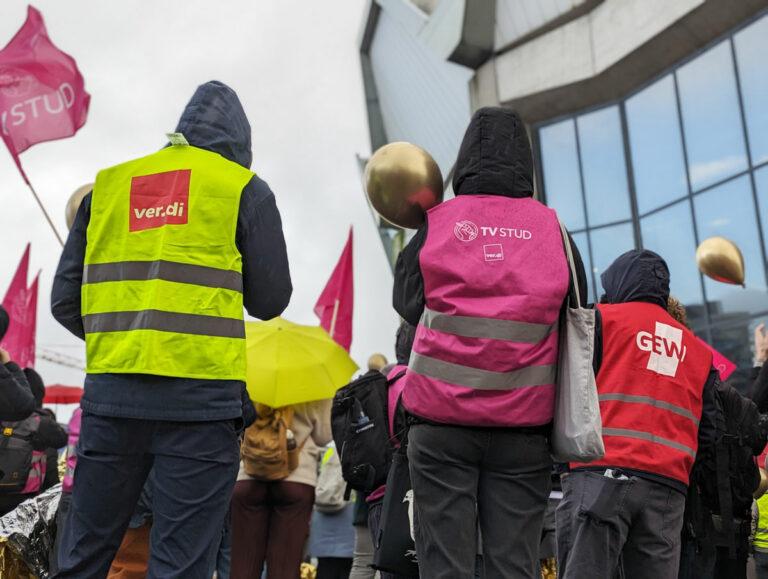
4	321
636	276
215	120
36	384
495	156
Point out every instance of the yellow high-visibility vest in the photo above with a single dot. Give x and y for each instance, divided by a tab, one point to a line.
162	283
761	535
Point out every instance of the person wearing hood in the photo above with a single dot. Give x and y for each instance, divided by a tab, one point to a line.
485	280
45	437
16	399
655	382
162	257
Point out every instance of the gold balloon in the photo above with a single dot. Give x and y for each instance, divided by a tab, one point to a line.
402	182
721	259
74	203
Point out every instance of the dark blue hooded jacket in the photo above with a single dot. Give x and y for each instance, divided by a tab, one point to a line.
213	120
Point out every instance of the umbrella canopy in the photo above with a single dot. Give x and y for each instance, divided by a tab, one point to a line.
290	364
59	394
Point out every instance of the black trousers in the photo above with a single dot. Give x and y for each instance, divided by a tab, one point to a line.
497	477
195	467
333	567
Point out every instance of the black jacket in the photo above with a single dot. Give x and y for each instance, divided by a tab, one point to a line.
643	276
494	159
213	120
16	399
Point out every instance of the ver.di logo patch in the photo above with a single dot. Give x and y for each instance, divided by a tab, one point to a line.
160	199
465	230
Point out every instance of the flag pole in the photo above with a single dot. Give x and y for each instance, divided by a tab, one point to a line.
45	212
335	315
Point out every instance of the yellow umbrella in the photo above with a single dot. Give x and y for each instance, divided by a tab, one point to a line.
290	364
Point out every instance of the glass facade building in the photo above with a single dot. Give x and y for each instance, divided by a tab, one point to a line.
681	159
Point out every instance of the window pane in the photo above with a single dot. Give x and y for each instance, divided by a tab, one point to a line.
560	164
734	341
580	239
608	243
761	183
602	160
657	150
670	234
711	118
729	211
751	49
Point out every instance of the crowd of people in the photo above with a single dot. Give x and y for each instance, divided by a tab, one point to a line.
172	471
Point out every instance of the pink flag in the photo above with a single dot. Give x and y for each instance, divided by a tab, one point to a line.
334	306
21	304
722	364
42	94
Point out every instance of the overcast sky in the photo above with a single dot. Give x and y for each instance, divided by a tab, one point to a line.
295	67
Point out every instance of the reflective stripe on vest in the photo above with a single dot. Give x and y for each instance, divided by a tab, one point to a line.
477	327
650	402
165	270
162	282
485	351
71	457
36	473
482	379
627	433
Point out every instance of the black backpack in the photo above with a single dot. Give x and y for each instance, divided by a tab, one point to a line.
361	432
725	476
16	453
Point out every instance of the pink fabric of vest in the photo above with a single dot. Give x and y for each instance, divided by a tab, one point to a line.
74	435
37	468
495	278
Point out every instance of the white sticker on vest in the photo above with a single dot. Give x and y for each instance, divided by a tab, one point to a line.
176	139
666	348
493	252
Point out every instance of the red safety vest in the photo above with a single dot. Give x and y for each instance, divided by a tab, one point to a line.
650	385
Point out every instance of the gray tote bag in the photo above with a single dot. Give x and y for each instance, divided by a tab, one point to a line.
577	430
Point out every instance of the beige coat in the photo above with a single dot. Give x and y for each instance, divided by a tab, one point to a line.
312	427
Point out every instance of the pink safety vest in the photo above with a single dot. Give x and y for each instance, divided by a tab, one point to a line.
74	435
37	468
495	278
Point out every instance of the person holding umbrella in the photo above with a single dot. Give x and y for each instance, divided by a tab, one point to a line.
293	373
163	256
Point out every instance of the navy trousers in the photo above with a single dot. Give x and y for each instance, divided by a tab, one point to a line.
195	467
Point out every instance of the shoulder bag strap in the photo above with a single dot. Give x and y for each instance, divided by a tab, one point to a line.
574	295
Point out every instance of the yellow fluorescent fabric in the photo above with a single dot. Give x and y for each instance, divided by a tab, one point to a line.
162	287
761	535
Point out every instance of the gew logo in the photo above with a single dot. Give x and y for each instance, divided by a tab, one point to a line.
159	199
666	348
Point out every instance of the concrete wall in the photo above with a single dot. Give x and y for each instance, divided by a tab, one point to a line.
422	97
609	51
516	19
